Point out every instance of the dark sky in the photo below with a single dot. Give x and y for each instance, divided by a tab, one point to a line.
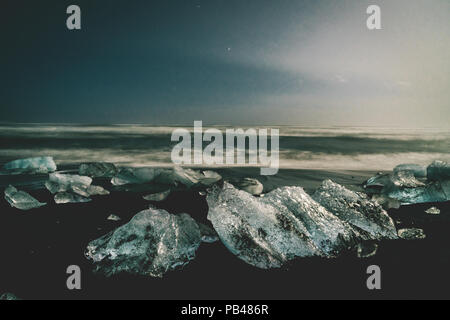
224	61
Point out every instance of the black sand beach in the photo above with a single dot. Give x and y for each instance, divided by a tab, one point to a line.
37	246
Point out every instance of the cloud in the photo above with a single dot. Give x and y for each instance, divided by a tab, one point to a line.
401	71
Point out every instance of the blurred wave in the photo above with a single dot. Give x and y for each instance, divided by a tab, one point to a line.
340	148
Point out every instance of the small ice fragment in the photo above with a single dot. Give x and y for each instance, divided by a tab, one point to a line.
190	178
367	249
170	177
68	180
417	170
379	181
54	187
433	210
8	296
386	202
249	185
66	197
21	200
98	170
134	176
157	196
411	234
31	165
405	179
209	235
87	191
78	185
210	177
113	217
97	191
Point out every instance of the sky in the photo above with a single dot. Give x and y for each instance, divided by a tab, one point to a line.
253	62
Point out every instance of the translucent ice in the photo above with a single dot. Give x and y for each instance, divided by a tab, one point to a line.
174	177
161	196
399	179
417	170
405	179
31	165
77	185
411	234
190	177
8	296
67	180
250	185
21	200
379	181
113	217
433	210
98	170
438	171
87	191
267	232
152	243
386	202
135	176
433	192
367	217
66	197
208	234
404	186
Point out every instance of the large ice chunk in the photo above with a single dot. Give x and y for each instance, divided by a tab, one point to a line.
152	243
30	165
98	170
438	171
433	192
399	179
404	186
21	200
367	217
267	232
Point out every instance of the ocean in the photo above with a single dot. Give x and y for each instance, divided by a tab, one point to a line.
314	148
